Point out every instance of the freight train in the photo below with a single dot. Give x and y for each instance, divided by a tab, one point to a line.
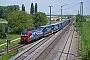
34	34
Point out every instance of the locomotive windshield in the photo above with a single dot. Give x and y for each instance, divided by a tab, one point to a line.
24	33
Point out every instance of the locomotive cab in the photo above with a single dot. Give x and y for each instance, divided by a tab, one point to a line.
25	36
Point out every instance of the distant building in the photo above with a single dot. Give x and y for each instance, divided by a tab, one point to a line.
53	18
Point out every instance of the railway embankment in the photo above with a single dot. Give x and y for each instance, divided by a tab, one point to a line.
83	37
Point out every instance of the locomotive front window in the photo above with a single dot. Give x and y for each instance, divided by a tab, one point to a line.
24	33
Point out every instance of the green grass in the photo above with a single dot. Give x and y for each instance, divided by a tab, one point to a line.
13	36
10	37
86	40
14	43
2	41
75	24
86	34
85	37
7	56
87	18
9	45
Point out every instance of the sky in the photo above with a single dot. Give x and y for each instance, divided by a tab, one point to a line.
43	5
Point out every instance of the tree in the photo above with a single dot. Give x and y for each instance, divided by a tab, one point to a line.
35	8
32	9
69	16
16	7
19	21
6	9
4	16
40	19
11	8
2	30
77	17
23	7
1	12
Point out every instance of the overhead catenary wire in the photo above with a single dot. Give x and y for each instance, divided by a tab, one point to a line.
71	6
66	8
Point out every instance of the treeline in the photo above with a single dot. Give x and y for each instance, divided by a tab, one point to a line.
33	9
19	20
83	29
7	9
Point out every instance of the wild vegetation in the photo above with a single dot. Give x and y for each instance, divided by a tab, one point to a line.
7	56
84	26
86	40
2	30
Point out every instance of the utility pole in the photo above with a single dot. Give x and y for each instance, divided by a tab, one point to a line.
6	33
61	10
78	11
80	30
81	9
61	13
50	13
81	20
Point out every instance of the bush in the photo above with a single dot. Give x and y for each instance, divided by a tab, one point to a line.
2	30
75	24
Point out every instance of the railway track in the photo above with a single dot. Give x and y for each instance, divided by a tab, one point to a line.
16	47
46	52
31	48
53	53
12	49
63	52
41	49
66	48
49	52
73	49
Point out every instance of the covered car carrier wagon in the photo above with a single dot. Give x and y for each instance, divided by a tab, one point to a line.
47	29
36	34
55	27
